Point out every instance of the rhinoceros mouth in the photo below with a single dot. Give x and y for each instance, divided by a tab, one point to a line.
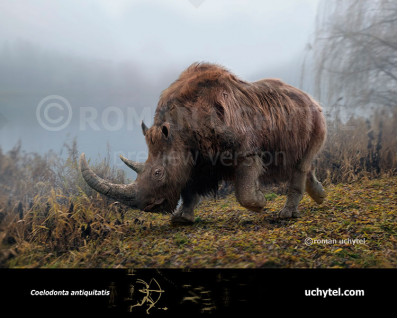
126	194
155	206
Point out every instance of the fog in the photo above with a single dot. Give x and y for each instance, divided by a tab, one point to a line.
92	70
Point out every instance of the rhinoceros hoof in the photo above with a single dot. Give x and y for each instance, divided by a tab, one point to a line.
320	195
317	192
182	219
288	213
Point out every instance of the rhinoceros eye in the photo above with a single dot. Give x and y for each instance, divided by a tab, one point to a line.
158	173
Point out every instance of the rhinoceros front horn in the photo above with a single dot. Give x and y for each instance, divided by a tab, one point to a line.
125	194
135	166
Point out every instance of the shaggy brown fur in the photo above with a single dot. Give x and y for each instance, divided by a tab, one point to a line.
214	112
211	126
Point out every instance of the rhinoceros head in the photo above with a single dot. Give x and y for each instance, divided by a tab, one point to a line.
159	180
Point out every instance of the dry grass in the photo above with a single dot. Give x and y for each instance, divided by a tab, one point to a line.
224	234
49	217
359	148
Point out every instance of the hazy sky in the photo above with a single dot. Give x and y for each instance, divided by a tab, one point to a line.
136	47
243	35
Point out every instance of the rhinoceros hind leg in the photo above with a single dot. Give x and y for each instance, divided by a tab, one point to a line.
294	195
185	213
247	184
314	188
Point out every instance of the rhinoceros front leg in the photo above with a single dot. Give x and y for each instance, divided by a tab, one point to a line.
294	194
247	184
185	213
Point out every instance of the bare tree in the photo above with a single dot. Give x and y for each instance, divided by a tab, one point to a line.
355	55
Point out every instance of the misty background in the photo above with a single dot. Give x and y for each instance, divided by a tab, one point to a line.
122	54
92	70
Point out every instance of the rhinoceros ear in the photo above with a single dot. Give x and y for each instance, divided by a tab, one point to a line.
144	128
166	129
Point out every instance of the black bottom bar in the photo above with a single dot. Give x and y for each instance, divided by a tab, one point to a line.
197	293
